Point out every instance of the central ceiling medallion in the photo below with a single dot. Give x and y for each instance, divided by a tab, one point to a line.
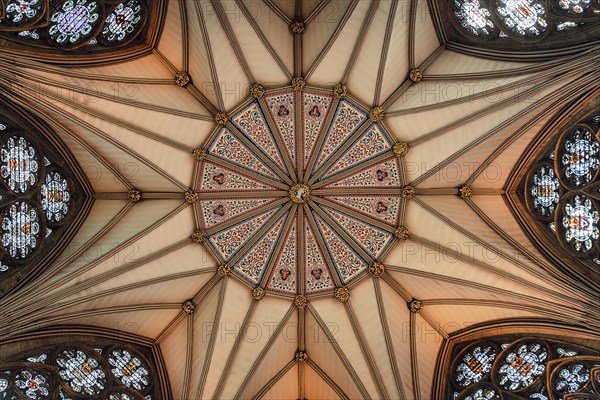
299	202
299	193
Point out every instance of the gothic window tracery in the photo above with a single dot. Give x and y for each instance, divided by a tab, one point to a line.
525	27
79	371
43	197
509	367
561	188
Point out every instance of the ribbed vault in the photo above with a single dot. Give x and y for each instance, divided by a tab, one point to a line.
138	264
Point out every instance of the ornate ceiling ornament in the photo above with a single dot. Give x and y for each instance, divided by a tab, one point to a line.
342	294
191	197
408	192
401	149
255	209
224	270
376	114
258	293
198	236
416	75
199	154
376	269
188	307
301	357
402	233
221	118
340	91
297	27
298	83
415	306
300	301
465	191
182	78
257	90
299	193
134	196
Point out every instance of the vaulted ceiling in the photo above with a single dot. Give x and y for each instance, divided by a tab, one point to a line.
466	259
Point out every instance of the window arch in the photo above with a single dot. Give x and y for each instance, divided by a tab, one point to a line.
519	360
80	31
76	363
520	29
44	197
554	192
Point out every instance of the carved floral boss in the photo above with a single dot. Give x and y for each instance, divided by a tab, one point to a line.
299	201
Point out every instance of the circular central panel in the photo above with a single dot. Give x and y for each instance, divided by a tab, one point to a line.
261	170
299	193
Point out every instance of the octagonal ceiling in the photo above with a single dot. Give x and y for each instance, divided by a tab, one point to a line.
460	262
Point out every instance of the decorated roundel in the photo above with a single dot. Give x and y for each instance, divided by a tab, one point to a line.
74	22
521	364
82	372
300	201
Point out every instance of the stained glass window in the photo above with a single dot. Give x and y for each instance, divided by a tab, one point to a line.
511	22
81	371
20	230
473	17
129	369
72	24
561	188
19	164
123	21
523	17
520	368
23	11
55	196
41	196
